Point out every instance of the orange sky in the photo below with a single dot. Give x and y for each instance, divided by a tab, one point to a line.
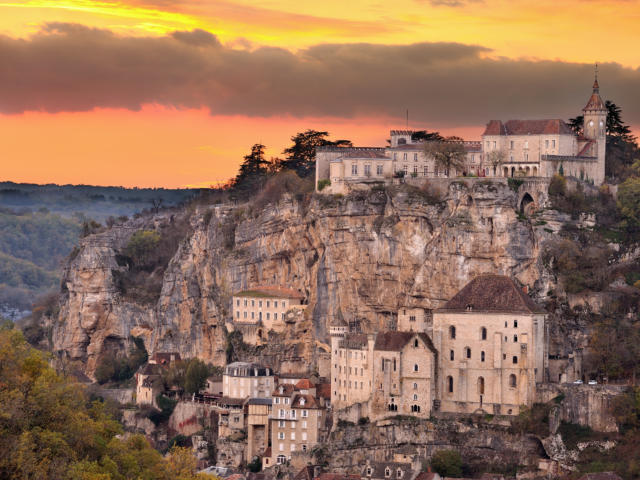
174	147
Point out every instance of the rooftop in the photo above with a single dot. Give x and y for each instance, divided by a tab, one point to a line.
395	341
491	293
528	127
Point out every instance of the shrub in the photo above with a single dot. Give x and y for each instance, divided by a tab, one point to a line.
142	245
196	376
557	186
447	463
325	182
166	406
514	183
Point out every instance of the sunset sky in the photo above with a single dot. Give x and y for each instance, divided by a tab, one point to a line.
173	93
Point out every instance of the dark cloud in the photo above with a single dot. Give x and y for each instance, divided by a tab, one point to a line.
74	68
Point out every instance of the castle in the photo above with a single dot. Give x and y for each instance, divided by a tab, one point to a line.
522	148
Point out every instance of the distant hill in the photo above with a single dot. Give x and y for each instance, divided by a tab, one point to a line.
40	225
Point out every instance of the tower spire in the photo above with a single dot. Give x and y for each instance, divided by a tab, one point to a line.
596	87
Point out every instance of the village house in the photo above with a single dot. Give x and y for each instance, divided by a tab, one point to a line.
258	413
258	310
298	420
525	148
493	347
243	380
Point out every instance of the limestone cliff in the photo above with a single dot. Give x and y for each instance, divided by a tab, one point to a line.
362	256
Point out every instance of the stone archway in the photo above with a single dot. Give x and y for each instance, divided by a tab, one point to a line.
526	203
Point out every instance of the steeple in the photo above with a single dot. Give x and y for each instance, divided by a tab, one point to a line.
595	102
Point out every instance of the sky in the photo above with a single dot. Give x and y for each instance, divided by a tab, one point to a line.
173	93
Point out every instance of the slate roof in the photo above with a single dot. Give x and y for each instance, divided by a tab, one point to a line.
492	293
259	401
270	291
528	127
354	340
395	341
287	390
365	154
378	469
150	369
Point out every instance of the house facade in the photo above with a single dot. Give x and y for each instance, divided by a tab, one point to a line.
523	148
242	380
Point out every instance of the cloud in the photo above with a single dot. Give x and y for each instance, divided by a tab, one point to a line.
453	3
68	67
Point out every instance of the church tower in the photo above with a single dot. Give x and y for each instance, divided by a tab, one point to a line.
595	129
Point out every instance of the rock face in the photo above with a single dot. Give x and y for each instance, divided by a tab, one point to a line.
361	257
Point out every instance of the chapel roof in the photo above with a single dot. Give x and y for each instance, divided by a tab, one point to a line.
393	341
595	100
491	293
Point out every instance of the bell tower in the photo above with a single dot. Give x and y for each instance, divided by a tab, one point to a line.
595	128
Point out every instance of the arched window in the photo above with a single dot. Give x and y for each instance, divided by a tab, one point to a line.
513	381
482	356
480	385
415	386
515	339
452	332
415	397
416	343
515	359
515	324
452	355
399	473
467	352
415	367
450	384
483	333
387	472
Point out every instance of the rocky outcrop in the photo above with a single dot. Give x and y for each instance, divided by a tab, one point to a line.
361	257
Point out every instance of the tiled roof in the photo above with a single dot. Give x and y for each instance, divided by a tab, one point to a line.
270	291
287	390
586	148
528	127
259	401
492	293
309	401
150	369
595	103
378	470
396	341
323	390
601	476
230	401
305	474
304	384
337	476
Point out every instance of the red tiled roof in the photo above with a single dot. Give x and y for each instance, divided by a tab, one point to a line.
595	103
528	127
305	474
586	147
323	390
396	341
304	384
309	401
492	293
270	291
287	390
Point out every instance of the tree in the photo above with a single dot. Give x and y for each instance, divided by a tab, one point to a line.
629	202
447	463
196	376
253	169
449	153
424	136
300	157
496	157
142	247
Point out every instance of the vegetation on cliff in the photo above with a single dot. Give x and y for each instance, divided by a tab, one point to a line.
50	429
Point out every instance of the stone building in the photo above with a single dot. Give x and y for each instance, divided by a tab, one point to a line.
258	413
148	383
298	420
493	347
527	148
413	320
404	374
242	380
257	311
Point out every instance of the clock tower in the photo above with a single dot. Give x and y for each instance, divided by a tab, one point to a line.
595	129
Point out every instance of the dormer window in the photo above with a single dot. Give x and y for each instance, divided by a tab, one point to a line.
302	401
399	473
281	390
369	471
387	472
469	307
402	141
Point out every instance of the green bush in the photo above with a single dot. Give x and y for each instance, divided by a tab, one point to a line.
196	376
514	183
558	186
142	245
325	182
447	463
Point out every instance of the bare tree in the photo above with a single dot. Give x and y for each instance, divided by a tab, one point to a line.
448	153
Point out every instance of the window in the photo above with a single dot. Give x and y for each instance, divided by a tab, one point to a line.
369	471
304	435
305	413
415	170
367	170
394	364
293	414
304	448
260	303
238	302
275	316
387	472
399	473
268	302
515	339
284	304
482	356
451	355
293	447
526	144
281	423
412	318
237	314
416	343
280	459
480	385
425	171
450	384
275	303
415	157
512	381
395	156
415	386
277	400
406	169
404	156
483	333
452	332
488	143
515	359
304	425
515	324
245	315
415	397
286	401
293	435
379	169
354	169
415	367
281	413
253	303
467	352
511	144
546	144
494	145
553	143
252	315
383	364
280	435
267	315
245	303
